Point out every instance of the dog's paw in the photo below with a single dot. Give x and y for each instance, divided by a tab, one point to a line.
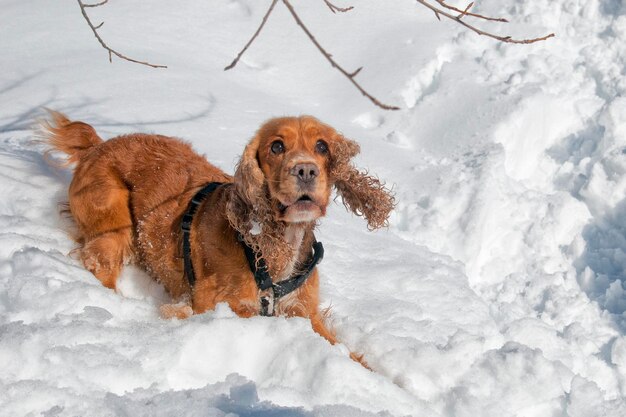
176	311
359	358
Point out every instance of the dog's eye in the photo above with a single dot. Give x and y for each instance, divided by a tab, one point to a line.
321	147
277	147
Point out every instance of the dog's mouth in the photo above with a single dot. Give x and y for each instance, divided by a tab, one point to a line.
304	209
302	201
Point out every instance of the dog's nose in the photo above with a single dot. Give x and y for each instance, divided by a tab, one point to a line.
306	172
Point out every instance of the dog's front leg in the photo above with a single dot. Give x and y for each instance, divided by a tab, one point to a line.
181	310
319	327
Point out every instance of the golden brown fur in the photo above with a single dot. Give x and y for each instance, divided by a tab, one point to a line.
129	193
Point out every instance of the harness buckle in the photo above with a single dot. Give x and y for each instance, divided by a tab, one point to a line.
267	302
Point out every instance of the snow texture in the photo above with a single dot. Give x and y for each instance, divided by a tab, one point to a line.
499	288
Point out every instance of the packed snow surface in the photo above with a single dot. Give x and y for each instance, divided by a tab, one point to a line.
499	288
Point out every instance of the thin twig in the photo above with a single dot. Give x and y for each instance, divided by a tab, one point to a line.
336	9
466	12
94	29
97	4
458	19
267	14
328	56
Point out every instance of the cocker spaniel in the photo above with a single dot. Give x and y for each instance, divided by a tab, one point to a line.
246	239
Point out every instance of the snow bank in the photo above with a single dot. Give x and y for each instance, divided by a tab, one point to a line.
497	290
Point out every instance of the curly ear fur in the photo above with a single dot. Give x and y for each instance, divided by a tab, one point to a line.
248	177
362	194
249	208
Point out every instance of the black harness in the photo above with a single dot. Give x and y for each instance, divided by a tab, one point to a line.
269	291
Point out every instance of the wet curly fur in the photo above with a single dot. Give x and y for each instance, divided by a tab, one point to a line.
363	194
129	193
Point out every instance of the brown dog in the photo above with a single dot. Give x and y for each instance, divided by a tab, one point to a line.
129	194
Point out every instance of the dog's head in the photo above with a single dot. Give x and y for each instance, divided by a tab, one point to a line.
288	170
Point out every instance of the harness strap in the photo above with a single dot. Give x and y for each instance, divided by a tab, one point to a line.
282	288
285	287
267	288
259	270
186	227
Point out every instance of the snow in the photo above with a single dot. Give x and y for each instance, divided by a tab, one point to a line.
498	289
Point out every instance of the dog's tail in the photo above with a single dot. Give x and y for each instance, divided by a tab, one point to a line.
72	138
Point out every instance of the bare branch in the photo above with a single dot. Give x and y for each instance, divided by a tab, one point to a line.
96	4
336	9
349	76
328	56
94	29
458	19
245	48
466	12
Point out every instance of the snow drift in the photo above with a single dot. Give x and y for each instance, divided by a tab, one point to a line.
497	290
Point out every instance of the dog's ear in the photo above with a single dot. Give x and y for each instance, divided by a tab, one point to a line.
248	177
362	194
